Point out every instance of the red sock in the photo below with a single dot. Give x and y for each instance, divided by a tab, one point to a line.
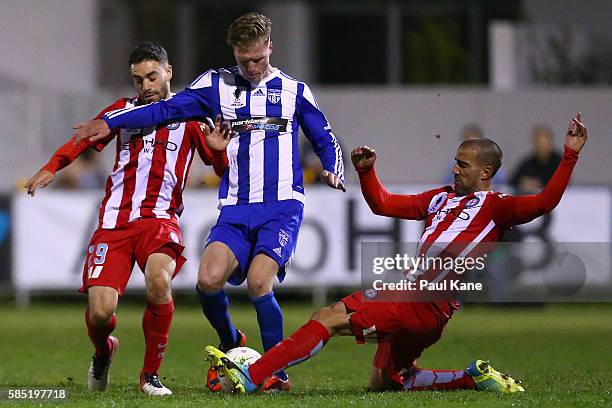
156	326
99	334
298	347
422	379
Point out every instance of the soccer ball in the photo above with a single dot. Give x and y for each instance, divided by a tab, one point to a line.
239	355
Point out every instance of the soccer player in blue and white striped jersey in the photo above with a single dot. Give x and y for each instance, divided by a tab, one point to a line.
262	191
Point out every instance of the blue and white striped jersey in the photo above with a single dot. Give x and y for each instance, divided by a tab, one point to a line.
264	162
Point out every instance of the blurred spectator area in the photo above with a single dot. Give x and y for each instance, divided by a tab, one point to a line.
401	76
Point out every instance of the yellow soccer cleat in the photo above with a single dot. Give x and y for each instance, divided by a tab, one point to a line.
487	378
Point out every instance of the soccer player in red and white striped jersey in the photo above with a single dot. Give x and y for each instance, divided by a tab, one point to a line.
458	220
138	220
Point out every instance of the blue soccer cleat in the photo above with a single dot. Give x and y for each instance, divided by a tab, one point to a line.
237	374
487	378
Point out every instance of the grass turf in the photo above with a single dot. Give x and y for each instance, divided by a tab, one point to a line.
563	354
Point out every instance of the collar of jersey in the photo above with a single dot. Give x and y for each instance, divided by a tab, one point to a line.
273	74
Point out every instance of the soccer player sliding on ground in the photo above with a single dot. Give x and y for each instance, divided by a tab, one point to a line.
138	219
466	213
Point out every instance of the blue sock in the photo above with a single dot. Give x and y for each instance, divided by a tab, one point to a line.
215	307
270	319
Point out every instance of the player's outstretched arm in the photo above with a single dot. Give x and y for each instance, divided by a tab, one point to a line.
380	200
41	179
63	156
318	131
522	209
185	105
92	130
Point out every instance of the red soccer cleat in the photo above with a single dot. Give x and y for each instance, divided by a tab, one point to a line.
275	384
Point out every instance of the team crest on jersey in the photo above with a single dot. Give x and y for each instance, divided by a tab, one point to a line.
472	202
283	237
173	126
436	202
274	95
370	293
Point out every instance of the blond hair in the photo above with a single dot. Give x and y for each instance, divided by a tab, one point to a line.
248	29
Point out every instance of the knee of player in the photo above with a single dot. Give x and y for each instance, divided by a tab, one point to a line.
100	314
337	322
258	286
208	283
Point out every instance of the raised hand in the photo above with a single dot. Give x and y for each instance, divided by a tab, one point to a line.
332	180
220	136
577	133
363	157
93	130
41	179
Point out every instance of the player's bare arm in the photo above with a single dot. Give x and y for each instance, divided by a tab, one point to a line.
41	179
577	134
219	137
93	130
363	157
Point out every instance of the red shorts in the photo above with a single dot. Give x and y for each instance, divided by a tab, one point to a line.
401	329
113	252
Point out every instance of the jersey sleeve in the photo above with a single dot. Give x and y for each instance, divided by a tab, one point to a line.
516	210
192	103
216	158
383	202
68	152
318	131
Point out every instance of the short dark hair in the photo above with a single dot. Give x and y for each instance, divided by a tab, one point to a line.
488	152
247	29
146	51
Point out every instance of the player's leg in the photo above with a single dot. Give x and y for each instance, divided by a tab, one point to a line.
105	276
158	252
380	380
101	320
100	317
217	264
157	319
260	278
417	325
307	341
277	232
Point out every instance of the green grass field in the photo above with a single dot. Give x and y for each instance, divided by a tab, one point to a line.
563	354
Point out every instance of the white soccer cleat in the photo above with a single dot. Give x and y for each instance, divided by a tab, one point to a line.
150	385
99	370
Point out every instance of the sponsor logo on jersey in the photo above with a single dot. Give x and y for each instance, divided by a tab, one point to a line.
283	238
274	95
278	251
436	202
258	92
174	237
148	145
173	126
250	124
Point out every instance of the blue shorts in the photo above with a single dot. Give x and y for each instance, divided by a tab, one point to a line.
251	229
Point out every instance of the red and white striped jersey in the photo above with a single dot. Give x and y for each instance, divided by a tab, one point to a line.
150	170
465	221
459	223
